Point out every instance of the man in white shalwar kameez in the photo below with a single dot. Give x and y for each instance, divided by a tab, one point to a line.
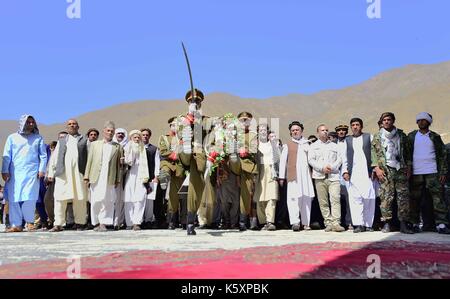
66	168
121	137
103	174
266	187
295	169
135	192
356	169
153	164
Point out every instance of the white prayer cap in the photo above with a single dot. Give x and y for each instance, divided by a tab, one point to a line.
134	132
424	115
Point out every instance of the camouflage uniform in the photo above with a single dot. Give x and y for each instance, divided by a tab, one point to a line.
396	181
447	184
430	182
167	145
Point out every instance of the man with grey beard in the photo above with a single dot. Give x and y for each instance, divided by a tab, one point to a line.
103	175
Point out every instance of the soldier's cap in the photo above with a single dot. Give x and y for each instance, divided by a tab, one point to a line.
295	123
245	115
426	116
341	127
386	114
171	119
198	95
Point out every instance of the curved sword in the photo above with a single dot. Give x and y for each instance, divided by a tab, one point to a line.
190	72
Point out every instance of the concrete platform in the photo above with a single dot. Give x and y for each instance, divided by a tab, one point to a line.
22	247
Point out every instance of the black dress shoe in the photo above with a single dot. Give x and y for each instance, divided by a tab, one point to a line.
225	226
315	226
359	229
296	227
214	226
171	226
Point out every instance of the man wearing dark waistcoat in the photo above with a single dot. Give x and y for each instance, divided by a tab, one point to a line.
67	168
357	173
153	162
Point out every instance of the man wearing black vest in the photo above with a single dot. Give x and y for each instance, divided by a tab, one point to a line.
67	166
346	218
357	172
153	162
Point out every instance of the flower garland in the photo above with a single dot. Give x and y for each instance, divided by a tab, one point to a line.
228	138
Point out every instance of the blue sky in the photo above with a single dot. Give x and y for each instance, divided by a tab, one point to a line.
119	51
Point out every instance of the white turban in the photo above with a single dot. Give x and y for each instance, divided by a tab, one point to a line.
426	116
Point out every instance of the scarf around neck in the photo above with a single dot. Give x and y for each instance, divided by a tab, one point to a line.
391	143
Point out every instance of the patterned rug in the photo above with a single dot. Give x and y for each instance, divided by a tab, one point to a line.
398	259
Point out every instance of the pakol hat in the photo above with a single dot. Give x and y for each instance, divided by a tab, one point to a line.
341	127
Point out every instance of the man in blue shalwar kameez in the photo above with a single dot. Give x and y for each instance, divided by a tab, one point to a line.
24	163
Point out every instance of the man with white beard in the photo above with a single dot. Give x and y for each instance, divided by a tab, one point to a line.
295	169
357	172
136	185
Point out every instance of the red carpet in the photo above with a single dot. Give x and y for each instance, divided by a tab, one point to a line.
399	259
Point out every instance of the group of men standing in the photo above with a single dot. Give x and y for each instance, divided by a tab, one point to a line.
114	181
101	180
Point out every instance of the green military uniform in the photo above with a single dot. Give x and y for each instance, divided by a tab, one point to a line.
196	163
167	145
430	182
208	201
247	169
396	181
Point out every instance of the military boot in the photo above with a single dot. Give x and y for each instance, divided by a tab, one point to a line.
254	223
171	219
242	222
386	228
405	228
191	226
